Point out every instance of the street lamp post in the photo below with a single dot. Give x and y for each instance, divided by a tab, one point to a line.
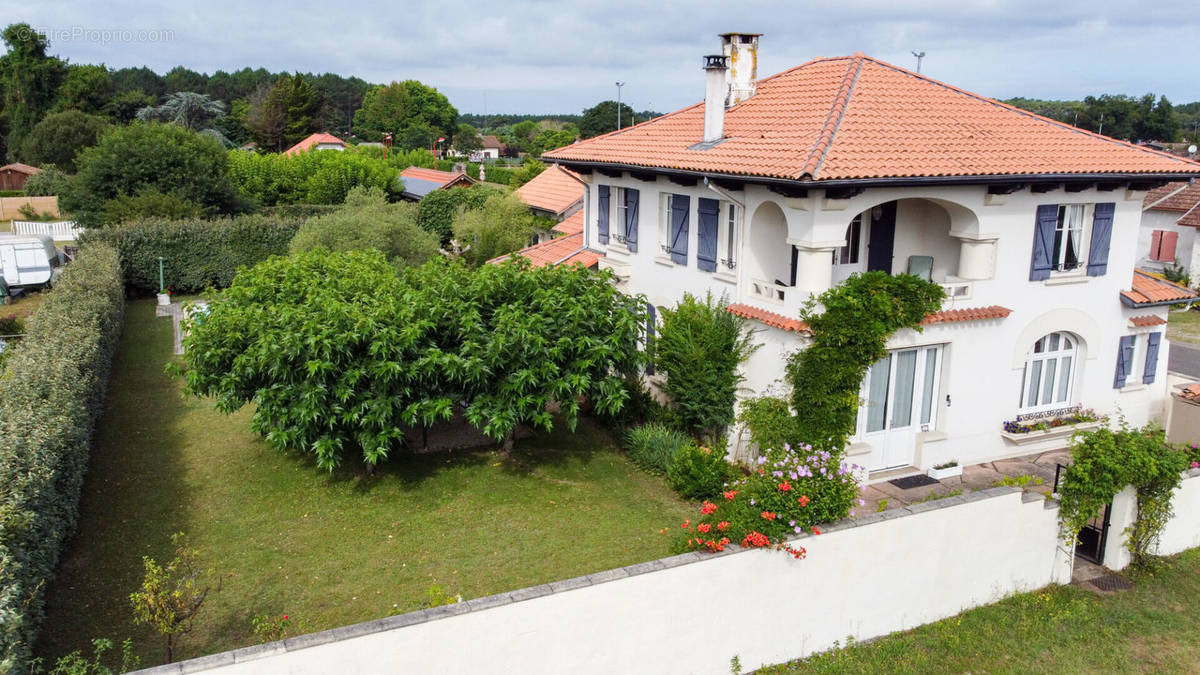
920	56
619	85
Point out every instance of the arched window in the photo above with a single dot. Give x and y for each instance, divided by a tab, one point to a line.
1049	372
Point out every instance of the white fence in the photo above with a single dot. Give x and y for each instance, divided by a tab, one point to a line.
62	230
1181	532
692	613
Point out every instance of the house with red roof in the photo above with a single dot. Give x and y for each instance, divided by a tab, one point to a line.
771	191
1170	216
419	182
14	176
321	141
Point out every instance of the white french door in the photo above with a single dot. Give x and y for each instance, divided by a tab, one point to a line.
851	258
899	399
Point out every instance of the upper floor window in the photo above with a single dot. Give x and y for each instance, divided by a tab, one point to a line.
1068	237
1049	372
848	254
731	215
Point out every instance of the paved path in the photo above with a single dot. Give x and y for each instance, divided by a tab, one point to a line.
1184	360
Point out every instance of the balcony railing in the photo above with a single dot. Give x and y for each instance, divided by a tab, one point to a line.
769	292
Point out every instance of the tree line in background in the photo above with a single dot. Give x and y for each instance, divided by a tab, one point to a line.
1128	118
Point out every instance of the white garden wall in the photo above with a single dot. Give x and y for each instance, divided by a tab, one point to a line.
692	613
1181	532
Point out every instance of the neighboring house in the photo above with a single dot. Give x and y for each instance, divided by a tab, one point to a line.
492	147
565	250
555	193
770	192
320	141
1170	216
419	182
14	176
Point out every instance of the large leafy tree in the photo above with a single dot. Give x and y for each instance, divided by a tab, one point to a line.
602	118
123	107
139	79
150	158
467	140
341	97
502	225
59	136
29	78
399	106
184	79
86	88
303	106
339	354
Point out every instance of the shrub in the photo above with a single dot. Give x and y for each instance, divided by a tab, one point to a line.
790	491
60	136
436	210
197	253
54	384
770	422
652	446
46	183
162	157
368	221
149	203
314	177
500	226
698	472
699	347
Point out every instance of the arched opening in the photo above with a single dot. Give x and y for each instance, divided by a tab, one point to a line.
903	236
1048	381
772	269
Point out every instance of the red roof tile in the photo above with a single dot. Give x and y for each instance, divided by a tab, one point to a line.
1147	320
441	177
313	140
554	190
566	250
572	224
967	314
1190	392
492	142
1148	290
798	326
769	318
857	117
20	168
1176	196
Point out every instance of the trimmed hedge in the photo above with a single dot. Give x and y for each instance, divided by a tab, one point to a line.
197	253
54	384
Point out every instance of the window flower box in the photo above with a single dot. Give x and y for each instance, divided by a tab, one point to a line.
1028	431
944	471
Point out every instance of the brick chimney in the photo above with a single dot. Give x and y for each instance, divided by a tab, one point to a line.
741	50
715	93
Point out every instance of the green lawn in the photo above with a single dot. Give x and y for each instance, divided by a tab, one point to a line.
1154	628
1184	327
328	549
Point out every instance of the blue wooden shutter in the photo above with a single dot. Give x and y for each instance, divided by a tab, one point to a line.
1151	358
1102	223
709	211
651	316
1124	360
602	214
1043	242
632	198
680	204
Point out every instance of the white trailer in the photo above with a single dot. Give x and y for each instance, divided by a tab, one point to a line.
29	260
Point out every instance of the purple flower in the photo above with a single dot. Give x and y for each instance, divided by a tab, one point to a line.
752	501
792	523
797	529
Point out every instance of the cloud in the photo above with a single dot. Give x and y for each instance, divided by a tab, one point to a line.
533	56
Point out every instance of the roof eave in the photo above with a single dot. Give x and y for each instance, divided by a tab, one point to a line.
894	181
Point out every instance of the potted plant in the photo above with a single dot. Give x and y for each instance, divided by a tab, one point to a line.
946	470
164	296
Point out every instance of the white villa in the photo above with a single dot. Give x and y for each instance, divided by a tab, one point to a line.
770	191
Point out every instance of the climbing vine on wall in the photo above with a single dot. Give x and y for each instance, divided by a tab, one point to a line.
850	326
1104	461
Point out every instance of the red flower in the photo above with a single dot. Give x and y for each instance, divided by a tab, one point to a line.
723	525
816	531
685	524
708	507
285	617
703	527
803	500
768	515
784	486
755	540
730	494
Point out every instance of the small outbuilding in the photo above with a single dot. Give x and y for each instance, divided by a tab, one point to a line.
14	176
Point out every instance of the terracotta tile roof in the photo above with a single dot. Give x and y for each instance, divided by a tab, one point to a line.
441	177
856	117
419	182
769	318
492	142
554	190
20	168
1147	320
572	224
1176	196
1148	291
798	326
967	314
1190	392
566	250
313	140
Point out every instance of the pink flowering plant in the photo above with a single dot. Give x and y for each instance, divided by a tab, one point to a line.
786	493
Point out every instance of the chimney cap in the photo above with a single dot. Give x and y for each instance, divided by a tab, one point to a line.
712	61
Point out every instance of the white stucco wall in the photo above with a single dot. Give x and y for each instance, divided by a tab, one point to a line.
693	613
983	360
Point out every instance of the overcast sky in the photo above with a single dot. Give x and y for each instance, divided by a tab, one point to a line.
527	56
